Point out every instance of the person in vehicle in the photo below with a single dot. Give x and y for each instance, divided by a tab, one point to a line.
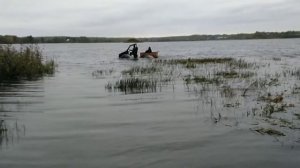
149	50
131	50
134	51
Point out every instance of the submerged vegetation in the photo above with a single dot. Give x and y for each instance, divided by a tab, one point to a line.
202	79
199	61
224	85
149	69
27	62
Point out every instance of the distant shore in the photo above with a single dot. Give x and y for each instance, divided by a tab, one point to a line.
12	39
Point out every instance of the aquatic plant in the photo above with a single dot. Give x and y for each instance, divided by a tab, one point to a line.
24	63
297	115
276	59
296	73
271	108
134	85
285	121
142	70
228	74
201	79
199	61
240	64
268	110
295	89
234	74
247	74
227	91
256	84
100	73
190	65
226	81
268	131
272	99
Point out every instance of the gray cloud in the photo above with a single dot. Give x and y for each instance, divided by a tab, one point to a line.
141	18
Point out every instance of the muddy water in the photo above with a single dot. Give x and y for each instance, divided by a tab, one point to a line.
71	120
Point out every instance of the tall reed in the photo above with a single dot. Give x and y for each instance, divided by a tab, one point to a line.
26	62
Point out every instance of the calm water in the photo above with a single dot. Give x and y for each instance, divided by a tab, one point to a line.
70	120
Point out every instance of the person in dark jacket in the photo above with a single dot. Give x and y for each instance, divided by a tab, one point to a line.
149	50
134	51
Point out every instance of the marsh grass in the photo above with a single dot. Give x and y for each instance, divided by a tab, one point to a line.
268	110
202	79
271	108
296	73
296	90
192	62
257	84
200	61
234	74
228	74
240	64
134	85
24	63
272	99
269	131
149	69
234	84
227	91
100	73
285	122
190	65
297	115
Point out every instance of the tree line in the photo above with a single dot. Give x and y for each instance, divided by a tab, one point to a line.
12	39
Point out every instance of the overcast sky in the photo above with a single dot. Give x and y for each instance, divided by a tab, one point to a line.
144	18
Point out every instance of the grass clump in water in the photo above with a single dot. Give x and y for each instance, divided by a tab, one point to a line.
134	85
141	70
269	131
201	79
240	64
272	99
297	115
24	63
228	74
296	73
200	61
227	91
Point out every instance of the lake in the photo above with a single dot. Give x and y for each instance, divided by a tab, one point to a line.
72	120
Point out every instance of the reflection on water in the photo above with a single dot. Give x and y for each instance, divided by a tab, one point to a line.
3	132
10	132
16	98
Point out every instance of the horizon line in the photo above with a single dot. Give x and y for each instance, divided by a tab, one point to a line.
155	36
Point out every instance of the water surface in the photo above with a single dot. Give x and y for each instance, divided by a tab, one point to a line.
71	120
